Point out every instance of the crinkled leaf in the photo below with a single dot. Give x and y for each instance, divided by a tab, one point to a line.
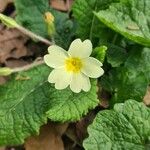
88	23
26	99
127	126
124	83
130	80
116	55
130	18
139	59
68	106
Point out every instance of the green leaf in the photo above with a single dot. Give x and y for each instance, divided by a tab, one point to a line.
28	99
129	18
100	53
131	79
124	84
68	106
30	14
88	23
127	126
23	106
139	59
116	55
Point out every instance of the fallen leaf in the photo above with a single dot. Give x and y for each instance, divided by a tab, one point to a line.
60	128
12	44
48	139
104	98
76	132
81	126
13	63
61	4
71	133
3	4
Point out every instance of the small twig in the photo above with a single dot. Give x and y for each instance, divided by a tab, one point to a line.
33	35
11	23
27	67
53	40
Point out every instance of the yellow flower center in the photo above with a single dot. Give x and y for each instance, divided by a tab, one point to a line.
73	64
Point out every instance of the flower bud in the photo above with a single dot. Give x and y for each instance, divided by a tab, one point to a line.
5	71
49	20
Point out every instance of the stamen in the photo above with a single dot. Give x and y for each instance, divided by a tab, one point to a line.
73	64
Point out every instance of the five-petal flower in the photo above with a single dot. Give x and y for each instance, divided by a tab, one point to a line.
73	67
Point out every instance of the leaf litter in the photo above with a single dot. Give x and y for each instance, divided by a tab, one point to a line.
49	138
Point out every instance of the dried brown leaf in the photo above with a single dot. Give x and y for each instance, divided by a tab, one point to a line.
13	63
3	4
61	4
12	44
81	126
104	98
49	138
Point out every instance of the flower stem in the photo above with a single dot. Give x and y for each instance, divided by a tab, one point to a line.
27	67
33	35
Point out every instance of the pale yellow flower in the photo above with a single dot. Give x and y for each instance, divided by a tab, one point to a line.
73	67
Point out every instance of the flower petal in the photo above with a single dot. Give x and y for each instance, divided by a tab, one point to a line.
92	67
60	77
80	49
80	81
56	56
86	84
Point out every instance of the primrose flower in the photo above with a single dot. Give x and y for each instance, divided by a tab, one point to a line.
73	67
